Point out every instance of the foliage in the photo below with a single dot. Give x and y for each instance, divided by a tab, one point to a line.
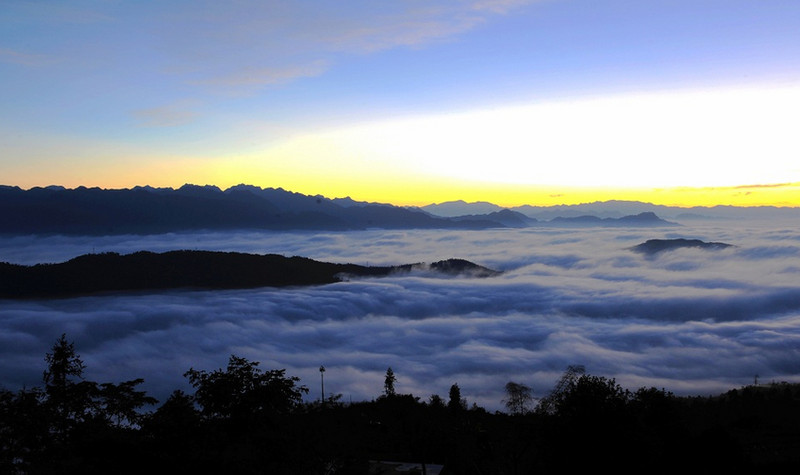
456	402
590	397
518	397
242	419
567	380
242	390
120	402
388	383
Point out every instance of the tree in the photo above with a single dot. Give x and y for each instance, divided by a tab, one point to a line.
567	380
242	390
518	397
63	365
388	382
591	398
24	429
456	402
175	425
120	402
68	396
436	401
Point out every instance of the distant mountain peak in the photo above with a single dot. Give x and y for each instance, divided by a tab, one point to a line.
192	186
451	209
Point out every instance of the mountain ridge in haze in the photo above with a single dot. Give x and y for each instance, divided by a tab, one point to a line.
619	209
149	210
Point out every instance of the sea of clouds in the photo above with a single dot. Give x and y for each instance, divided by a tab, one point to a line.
690	321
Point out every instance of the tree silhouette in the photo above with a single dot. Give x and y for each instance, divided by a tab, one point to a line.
388	383
120	402
68	396
518	397
567	380
456	402
591	398
436	401
242	390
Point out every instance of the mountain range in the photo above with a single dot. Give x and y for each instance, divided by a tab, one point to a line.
615	209
149	210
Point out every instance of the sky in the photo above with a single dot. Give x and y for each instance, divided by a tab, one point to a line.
679	102
688	321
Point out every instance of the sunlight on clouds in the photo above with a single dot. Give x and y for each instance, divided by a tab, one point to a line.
699	138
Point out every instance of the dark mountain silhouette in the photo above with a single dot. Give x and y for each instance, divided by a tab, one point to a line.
653	246
108	272
451	267
506	217
147	210
641	219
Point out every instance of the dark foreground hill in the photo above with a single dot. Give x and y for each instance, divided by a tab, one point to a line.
92	273
654	246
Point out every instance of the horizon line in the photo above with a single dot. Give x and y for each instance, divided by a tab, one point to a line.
589	195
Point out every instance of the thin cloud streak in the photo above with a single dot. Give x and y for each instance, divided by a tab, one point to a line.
276	42
169	115
25	59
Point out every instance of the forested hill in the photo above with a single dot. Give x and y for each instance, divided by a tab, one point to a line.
654	246
92	273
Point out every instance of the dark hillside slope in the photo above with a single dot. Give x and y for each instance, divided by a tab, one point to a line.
654	246
144	270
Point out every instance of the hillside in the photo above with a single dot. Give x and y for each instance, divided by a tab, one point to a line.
653	246
110	272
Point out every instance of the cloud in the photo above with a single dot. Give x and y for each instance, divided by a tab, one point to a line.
267	75
170	115
25	59
567	297
253	44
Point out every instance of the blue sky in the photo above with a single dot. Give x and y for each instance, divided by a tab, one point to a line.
115	93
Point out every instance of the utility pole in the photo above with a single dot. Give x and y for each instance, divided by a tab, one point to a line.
322	383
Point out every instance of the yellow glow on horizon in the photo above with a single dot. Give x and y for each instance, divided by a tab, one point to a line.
682	148
686	148
784	195
649	140
409	190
